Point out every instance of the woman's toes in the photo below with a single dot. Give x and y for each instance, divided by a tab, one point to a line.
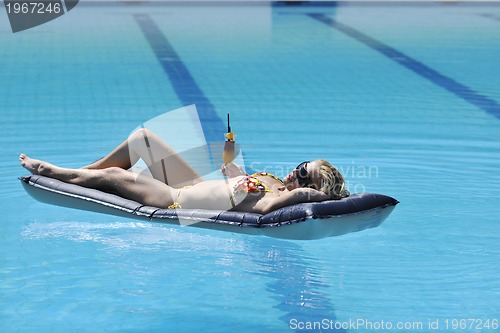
29	164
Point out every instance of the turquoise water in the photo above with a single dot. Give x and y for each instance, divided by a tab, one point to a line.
400	98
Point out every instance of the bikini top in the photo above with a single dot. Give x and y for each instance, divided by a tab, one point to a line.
251	183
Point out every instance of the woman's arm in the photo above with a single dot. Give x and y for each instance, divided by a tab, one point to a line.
295	196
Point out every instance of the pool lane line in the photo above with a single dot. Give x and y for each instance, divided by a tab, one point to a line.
483	102
182	81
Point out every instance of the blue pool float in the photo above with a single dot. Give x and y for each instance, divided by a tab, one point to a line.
303	221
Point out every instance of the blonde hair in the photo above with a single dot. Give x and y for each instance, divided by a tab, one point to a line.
331	180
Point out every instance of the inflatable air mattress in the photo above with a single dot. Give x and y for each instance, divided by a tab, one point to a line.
301	222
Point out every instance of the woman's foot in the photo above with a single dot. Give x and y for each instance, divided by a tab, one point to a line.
30	164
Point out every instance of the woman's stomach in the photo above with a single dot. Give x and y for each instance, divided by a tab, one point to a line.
211	194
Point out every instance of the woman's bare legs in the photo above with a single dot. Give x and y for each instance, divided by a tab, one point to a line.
165	164
142	189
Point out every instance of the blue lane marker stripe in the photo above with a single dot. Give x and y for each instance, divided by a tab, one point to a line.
183	82
478	100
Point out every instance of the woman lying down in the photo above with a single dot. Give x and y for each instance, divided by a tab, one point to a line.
177	185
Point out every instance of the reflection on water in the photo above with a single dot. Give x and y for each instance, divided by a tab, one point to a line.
145	255
294	282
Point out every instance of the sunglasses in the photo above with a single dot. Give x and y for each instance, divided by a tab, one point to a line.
302	174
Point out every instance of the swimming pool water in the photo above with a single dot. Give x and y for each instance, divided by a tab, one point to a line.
402	98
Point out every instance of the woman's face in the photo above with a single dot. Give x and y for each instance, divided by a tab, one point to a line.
305	174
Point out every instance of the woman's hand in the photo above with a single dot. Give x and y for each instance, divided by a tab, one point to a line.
232	170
